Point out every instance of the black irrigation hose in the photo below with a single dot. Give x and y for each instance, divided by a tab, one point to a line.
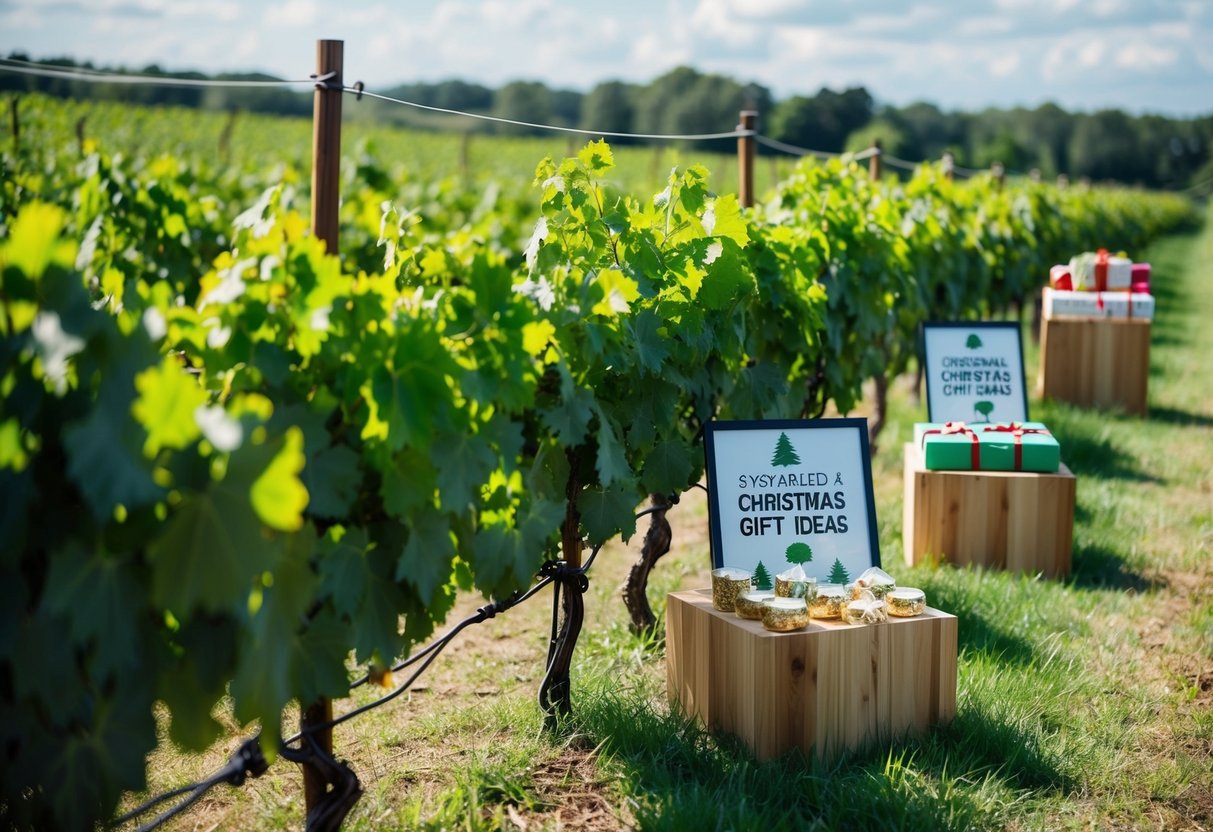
248	759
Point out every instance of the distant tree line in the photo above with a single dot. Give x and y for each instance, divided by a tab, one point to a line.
1150	150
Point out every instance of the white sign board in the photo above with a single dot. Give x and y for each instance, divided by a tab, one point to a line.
974	372
787	492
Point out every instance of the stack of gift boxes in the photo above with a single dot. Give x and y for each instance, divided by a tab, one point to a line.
987	446
1099	285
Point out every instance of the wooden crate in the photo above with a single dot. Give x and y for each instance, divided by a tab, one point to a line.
1100	363
1013	520
830	687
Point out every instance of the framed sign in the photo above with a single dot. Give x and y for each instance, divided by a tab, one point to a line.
789	492
974	372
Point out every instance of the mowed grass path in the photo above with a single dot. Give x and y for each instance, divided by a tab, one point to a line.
1083	704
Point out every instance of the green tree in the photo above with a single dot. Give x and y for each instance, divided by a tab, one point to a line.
823	121
973	341
522	101
762	577
611	107
838	573
984	408
785	454
799	552
892	138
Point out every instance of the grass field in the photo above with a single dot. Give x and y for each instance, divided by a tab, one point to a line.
1082	704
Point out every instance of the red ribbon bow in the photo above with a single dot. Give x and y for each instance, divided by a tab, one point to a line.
952	429
1101	276
1017	431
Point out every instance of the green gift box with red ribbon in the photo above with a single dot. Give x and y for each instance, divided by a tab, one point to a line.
987	446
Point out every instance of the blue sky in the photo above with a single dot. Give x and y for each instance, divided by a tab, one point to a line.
1137	55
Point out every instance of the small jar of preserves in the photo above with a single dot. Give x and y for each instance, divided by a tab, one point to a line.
783	615
906	602
749	604
828	602
727	583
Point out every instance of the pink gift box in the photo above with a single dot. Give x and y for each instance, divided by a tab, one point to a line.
1140	277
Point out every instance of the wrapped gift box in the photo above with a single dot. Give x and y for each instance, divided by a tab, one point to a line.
987	446
1059	278
1140	280
1084	276
1012	520
1059	303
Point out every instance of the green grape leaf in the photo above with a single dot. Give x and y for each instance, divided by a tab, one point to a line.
408	400
33	240
409	481
168	397
549	472
496	553
343	568
651	345
597	158
214	542
320	658
723	219
612	463
263	682
277	495
426	561
377	625
608	512
198	680
105	449
667	468
569	417
728	279
106	462
97	596
332	479
191	727
463	462
116	740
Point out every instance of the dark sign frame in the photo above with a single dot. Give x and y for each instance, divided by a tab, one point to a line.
714	428
997	326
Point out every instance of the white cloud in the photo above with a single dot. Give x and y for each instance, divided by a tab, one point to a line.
292	13
1005	65
979	27
1091	53
1144	56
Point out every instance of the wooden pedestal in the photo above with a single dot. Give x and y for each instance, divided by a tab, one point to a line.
1018	521
1099	362
830	687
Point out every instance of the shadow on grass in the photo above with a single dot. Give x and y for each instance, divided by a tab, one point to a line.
675	775
1097	567
976	632
1094	456
1181	418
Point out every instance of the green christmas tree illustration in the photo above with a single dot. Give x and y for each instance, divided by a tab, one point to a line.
785	454
762	578
838	573
974	342
984	408
799	553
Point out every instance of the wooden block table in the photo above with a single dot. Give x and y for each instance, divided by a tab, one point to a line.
830	687
1096	362
1013	520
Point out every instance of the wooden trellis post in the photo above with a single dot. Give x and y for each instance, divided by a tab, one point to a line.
326	196
874	161
745	159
